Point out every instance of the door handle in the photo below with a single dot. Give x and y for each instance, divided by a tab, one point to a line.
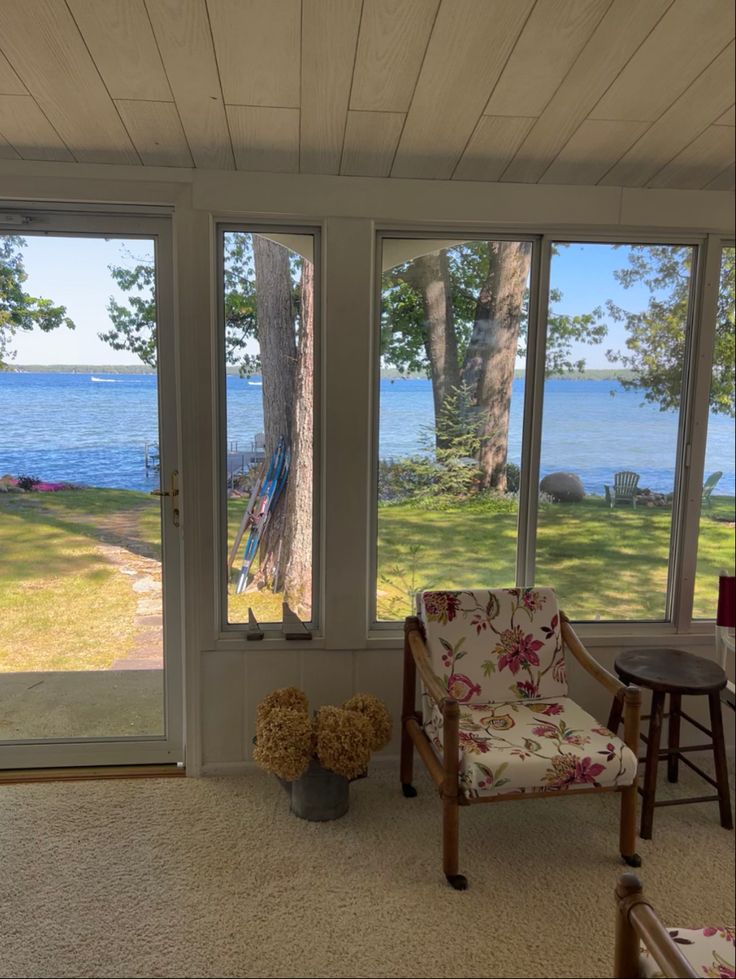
173	492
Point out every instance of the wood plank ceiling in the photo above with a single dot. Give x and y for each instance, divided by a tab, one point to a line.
618	92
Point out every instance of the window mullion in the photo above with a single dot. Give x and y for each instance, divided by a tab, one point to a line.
692	448
536	353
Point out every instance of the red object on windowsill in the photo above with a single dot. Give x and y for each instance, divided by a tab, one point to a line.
726	614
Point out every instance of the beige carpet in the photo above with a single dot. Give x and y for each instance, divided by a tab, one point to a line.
214	877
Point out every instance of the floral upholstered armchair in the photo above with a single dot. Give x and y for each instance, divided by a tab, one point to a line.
496	721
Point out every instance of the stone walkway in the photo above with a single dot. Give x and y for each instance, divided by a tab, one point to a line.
145	576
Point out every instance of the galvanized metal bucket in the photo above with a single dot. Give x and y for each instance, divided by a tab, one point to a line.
319	795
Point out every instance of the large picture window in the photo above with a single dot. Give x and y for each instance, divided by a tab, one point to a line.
455	507
268	327
451	394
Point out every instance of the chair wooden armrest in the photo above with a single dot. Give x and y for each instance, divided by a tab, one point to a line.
420	654
612	683
637	922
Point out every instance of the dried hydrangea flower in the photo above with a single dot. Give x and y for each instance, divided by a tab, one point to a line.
285	742
376	714
288	697
343	741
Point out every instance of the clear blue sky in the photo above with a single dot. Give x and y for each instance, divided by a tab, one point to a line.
74	272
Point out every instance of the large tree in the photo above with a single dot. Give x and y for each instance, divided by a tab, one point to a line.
656	337
269	328
18	309
460	315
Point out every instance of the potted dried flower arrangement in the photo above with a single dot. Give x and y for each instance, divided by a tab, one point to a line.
315	759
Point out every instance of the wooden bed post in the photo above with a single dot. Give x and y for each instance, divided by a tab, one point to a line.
626	961
450	793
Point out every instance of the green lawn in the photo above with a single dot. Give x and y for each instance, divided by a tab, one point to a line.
607	564
65	605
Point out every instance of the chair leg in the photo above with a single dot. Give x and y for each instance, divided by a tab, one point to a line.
719	756
407	710
451	843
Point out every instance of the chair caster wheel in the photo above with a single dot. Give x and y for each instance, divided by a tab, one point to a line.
633	861
408	790
458	881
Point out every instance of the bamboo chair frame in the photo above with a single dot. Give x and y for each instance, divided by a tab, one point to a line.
444	767
637	922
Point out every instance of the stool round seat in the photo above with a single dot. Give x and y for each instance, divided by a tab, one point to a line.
670	671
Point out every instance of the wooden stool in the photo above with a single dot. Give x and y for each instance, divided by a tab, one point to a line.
675	672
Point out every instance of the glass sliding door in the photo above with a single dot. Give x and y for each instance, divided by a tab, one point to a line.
89	635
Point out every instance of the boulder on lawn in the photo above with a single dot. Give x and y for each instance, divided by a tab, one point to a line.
563	487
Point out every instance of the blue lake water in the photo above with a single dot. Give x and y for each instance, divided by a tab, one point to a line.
92	429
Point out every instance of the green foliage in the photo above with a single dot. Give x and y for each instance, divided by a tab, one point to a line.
18	309
133	326
403	329
28	483
657	337
513	477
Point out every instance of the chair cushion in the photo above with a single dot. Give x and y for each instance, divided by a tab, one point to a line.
534	746
710	951
495	645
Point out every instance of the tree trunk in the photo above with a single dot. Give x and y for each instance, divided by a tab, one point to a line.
430	276
490	359
295	576
277	342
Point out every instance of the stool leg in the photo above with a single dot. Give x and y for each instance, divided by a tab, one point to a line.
719	756
614	717
650	770
673	737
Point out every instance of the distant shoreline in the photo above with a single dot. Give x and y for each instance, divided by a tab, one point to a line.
594	374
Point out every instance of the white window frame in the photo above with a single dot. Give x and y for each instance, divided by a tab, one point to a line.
271	630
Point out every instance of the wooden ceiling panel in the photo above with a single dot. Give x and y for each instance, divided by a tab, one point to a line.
24	126
257	47
156	132
492	146
265	138
329	41
121	42
553	37
623	28
705	100
10	84
725	180
577	92
6	150
393	39
183	36
467	51
683	43
699	163
371	139
42	43
587	155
